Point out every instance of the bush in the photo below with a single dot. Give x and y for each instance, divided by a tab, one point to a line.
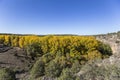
75	67
94	72
6	74
47	58
53	69
105	50
34	50
38	69
67	75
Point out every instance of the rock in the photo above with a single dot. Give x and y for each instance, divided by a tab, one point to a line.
1	45
4	49
15	58
111	39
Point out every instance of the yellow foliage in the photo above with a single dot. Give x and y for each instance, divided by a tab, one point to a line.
75	46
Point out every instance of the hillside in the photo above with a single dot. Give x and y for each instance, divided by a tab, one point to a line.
113	39
106	69
31	57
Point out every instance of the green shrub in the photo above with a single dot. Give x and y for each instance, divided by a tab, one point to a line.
47	58
38	69
75	67
94	72
53	69
67	75
34	50
105	50
6	74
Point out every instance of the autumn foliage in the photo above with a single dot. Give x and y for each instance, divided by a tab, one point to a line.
60	54
78	47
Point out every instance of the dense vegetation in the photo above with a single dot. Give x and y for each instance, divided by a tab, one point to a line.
6	74
58	56
97	70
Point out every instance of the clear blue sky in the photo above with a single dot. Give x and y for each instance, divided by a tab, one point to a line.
59	16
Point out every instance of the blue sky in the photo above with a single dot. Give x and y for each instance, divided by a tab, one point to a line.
83	17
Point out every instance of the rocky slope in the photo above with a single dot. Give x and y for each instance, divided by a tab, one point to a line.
15	59
113	39
107	69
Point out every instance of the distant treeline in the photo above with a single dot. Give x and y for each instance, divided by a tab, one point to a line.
109	34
